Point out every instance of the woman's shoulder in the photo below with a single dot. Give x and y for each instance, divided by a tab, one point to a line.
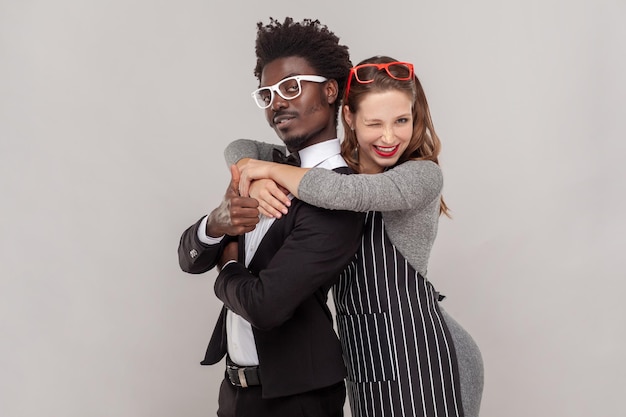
420	169
423	164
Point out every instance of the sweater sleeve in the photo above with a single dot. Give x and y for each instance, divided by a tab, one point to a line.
248	148
410	185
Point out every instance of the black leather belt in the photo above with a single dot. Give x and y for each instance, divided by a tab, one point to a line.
242	376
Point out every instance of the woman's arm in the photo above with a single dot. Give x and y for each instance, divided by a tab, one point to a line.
410	185
248	148
287	176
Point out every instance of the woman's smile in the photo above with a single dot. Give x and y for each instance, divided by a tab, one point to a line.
386	151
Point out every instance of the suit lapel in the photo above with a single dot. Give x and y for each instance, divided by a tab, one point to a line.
273	240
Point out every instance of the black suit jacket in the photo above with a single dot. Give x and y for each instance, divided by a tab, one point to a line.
283	295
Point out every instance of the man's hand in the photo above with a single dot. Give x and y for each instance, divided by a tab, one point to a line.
235	215
230	254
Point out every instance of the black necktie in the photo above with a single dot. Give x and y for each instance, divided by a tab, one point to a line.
292	159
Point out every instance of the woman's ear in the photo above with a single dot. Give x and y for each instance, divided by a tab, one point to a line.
331	91
348	116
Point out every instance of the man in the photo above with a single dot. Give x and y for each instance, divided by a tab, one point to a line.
283	355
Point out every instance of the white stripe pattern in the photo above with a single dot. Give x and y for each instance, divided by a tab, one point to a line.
399	354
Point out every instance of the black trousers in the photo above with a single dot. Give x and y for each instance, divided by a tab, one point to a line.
247	402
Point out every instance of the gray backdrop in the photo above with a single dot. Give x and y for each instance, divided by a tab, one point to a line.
113	118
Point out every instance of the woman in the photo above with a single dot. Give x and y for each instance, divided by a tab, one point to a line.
405	355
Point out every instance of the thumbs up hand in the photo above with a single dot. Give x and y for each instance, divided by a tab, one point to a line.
235	215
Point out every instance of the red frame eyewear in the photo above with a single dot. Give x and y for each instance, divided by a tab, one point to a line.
354	72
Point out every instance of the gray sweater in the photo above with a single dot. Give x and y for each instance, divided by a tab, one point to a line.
408	195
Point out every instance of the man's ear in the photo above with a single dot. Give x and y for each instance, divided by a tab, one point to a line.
332	90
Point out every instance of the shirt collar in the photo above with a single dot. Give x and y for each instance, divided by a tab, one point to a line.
315	154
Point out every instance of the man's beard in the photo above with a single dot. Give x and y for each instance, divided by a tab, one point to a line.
295	143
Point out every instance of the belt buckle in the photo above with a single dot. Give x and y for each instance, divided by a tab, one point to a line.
241	375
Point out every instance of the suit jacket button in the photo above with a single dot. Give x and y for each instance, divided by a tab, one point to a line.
193	253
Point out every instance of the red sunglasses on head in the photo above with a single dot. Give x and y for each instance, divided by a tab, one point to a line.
364	73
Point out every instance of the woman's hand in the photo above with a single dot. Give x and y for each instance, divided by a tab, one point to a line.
256	182
272	198
250	170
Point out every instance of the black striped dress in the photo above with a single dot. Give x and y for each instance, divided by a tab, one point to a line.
400	356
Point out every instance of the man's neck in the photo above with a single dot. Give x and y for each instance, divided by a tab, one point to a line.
310	143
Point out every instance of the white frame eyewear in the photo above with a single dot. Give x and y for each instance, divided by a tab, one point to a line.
258	99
